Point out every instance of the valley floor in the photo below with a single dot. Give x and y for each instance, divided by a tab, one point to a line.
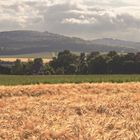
104	111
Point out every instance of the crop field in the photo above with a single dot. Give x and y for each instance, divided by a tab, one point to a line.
23	59
48	55
55	79
97	111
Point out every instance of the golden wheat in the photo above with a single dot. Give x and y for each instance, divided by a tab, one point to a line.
70	112
22	59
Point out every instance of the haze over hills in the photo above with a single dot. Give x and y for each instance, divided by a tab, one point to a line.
117	42
27	42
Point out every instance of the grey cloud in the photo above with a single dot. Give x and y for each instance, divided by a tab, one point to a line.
119	22
9	25
104	20
88	19
105	23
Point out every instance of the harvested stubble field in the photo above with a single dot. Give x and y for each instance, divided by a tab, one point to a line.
104	111
10	59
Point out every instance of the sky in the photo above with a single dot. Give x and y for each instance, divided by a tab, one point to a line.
88	19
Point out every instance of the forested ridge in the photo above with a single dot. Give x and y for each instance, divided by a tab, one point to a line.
28	42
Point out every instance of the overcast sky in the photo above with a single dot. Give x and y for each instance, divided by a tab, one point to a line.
87	19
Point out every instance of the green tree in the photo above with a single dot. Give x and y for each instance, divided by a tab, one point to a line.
72	69
37	66
28	67
48	70
112	54
83	66
98	65
115	65
129	67
17	68
92	55
64	61
5	70
130	57
59	71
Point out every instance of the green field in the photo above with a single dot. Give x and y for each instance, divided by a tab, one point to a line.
54	79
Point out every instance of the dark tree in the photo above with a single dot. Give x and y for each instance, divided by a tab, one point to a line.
48	70
129	67
17	68
98	65
64	61
28	67
37	66
92	55
112	54
5	70
83	66
115	65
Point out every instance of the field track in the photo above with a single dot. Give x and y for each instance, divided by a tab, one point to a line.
104	111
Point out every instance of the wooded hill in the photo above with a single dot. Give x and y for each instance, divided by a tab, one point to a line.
27	42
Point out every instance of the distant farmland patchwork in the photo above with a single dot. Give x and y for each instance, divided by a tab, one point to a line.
102	111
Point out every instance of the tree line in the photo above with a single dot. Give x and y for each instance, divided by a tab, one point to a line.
69	63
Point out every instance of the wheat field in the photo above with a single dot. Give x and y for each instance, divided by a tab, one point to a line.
105	111
26	59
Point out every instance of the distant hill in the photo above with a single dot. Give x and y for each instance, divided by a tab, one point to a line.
117	42
27	42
